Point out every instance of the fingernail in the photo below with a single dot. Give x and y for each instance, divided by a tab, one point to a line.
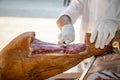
106	43
101	47
97	46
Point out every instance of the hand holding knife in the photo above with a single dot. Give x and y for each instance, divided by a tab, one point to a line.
63	44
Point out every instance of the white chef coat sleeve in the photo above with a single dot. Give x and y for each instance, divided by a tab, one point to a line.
74	10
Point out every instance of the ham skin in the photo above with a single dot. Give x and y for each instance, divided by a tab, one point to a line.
27	58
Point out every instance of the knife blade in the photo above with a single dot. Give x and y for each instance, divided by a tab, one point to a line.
93	58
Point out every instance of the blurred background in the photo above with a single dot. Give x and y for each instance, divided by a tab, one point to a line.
18	16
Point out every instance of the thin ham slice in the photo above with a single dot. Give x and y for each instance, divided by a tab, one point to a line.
38	46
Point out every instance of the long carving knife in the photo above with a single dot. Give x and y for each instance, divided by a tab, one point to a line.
93	58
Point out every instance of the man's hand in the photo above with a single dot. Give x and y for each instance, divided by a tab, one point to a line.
67	34
103	33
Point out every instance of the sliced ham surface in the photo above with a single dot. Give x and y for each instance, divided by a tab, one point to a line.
39	46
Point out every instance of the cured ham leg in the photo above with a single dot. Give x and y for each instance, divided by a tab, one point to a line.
26	58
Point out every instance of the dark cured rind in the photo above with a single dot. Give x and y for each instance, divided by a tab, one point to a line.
18	63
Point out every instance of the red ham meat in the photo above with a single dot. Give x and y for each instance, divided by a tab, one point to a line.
39	46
